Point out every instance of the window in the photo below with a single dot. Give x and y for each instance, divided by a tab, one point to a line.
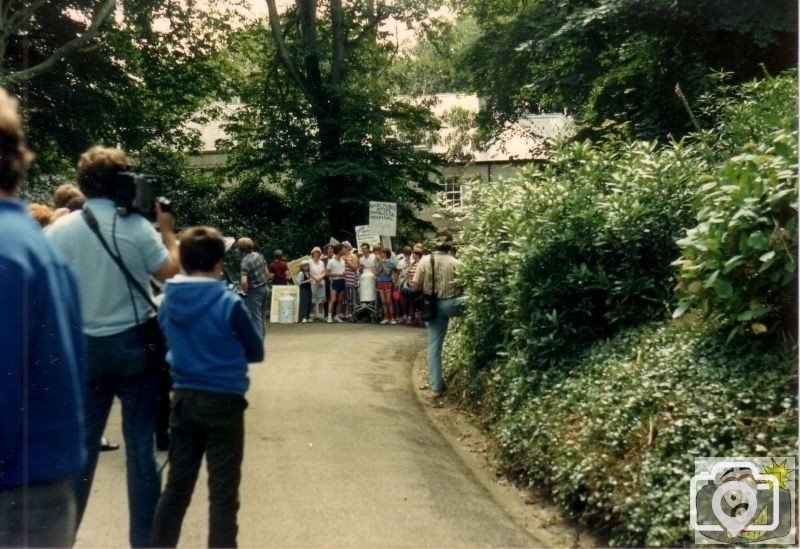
451	191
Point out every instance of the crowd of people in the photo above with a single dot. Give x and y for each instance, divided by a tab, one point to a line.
331	284
80	327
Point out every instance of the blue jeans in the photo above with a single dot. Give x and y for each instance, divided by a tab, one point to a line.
254	302
437	328
117	366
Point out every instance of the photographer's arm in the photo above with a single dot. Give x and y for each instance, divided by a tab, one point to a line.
166	224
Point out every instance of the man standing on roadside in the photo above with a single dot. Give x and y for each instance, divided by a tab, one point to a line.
442	268
116	321
253	282
42	366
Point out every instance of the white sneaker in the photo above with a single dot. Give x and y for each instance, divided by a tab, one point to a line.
393	322
330	320
385	321
338	318
305	320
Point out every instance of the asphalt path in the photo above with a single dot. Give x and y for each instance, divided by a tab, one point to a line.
339	452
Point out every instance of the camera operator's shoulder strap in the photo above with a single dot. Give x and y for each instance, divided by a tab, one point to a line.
91	220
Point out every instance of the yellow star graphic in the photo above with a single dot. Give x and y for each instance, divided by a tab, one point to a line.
779	471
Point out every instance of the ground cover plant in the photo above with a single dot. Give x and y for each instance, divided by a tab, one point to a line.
569	352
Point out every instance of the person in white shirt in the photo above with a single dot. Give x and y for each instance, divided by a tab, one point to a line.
316	268
367	260
335	271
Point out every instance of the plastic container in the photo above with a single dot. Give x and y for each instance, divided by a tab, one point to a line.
366	287
286	309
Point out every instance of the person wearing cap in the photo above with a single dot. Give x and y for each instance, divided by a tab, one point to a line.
316	270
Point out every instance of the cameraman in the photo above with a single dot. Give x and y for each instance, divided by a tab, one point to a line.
114	314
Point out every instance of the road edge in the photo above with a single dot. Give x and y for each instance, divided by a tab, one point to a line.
543	521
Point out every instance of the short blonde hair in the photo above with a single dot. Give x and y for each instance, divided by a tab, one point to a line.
15	156
98	168
245	244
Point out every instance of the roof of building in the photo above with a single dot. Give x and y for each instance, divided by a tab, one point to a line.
518	141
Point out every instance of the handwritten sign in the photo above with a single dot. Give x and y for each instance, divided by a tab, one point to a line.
383	218
365	235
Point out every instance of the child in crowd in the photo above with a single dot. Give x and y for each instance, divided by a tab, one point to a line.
304	281
211	340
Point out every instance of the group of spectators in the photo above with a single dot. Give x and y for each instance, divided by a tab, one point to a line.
79	327
329	285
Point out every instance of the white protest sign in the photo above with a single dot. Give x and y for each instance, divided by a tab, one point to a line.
365	235
383	218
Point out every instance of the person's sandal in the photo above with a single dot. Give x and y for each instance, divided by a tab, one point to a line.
106	446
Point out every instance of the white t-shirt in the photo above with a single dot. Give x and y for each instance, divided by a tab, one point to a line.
336	266
367	262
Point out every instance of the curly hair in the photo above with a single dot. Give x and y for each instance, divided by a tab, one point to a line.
64	194
15	157
98	168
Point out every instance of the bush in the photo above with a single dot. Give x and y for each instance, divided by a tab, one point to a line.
579	248
614	435
740	260
566	352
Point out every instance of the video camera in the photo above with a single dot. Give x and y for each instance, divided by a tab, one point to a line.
134	192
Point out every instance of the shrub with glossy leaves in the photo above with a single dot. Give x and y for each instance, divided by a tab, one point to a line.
740	260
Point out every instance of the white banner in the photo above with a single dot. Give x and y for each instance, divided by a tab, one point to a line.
383	218
365	235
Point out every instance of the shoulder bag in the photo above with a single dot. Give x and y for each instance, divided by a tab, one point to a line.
428	311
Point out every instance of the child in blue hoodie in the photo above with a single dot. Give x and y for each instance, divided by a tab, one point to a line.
211	340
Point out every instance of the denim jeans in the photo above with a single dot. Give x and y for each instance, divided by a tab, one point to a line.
117	366
437	328
41	515
254	302
207	423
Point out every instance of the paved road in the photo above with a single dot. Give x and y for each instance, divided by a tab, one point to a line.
338	452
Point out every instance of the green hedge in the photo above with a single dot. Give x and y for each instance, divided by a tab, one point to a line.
567	351
613	437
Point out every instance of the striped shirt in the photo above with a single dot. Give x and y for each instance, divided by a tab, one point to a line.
446	269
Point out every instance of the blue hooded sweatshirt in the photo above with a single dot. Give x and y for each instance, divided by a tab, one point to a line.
210	336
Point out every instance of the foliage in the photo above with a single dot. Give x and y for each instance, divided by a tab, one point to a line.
320	128
567	270
319	113
579	248
740	261
612	435
121	87
433	64
621	59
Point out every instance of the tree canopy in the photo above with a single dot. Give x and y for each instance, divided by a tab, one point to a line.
319	128
128	72
621	59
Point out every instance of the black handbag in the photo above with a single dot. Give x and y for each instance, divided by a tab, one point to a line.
428	310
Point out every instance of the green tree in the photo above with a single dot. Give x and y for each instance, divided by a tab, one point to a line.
320	128
621	59
433	64
131	79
